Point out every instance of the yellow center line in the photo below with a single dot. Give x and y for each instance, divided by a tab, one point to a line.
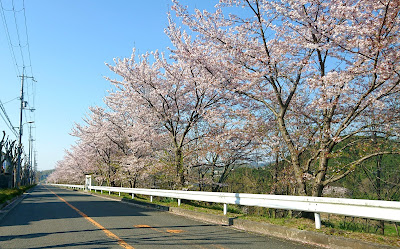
111	235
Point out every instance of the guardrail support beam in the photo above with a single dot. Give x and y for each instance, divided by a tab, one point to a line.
179	202
133	195
225	208
151	198
317	217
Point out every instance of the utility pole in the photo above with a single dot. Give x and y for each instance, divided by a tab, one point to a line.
18	171
35	166
30	168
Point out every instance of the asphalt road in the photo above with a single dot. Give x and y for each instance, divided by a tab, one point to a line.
51	217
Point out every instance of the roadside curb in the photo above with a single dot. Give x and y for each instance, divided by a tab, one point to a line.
302	236
11	204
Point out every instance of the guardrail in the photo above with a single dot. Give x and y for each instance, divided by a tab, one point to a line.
70	186
372	209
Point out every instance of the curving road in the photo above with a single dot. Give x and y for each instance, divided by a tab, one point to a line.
51	217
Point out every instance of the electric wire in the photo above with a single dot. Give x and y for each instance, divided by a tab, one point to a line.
23	60
7	120
23	63
27	38
9	38
18	36
11	100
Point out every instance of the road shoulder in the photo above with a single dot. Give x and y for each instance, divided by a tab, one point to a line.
10	205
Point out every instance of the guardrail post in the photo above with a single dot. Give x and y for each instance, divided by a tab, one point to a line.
151	198
109	192
317	217
225	208
133	195
101	191
179	202
119	193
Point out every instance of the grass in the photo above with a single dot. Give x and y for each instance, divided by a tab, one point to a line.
355	228
9	193
335	226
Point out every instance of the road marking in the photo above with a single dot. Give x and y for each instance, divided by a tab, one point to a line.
142	226
174	231
158	230
111	235
147	226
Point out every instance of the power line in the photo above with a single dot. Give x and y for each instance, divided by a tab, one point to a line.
9	38
7	119
19	38
27	38
10	100
25	56
20	62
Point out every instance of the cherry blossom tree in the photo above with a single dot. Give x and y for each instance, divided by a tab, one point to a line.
111	146
319	68
72	168
106	142
223	146
139	158
167	97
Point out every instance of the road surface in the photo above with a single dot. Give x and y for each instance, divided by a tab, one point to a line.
51	217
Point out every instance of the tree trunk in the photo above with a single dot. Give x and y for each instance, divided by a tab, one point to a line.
378	180
379	187
275	175
180	171
294	156
320	177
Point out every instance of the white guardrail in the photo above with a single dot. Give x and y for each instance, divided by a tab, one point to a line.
372	209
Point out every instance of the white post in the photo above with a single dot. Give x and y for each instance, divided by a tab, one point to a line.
179	202
101	191
151	198
225	208
88	182
133	195
317	217
119	193
109	192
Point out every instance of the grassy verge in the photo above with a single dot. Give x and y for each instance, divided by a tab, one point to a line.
335	226
355	228
9	193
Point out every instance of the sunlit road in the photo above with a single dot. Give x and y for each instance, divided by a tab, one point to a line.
51	217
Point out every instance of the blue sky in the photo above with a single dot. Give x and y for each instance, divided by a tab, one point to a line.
69	41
